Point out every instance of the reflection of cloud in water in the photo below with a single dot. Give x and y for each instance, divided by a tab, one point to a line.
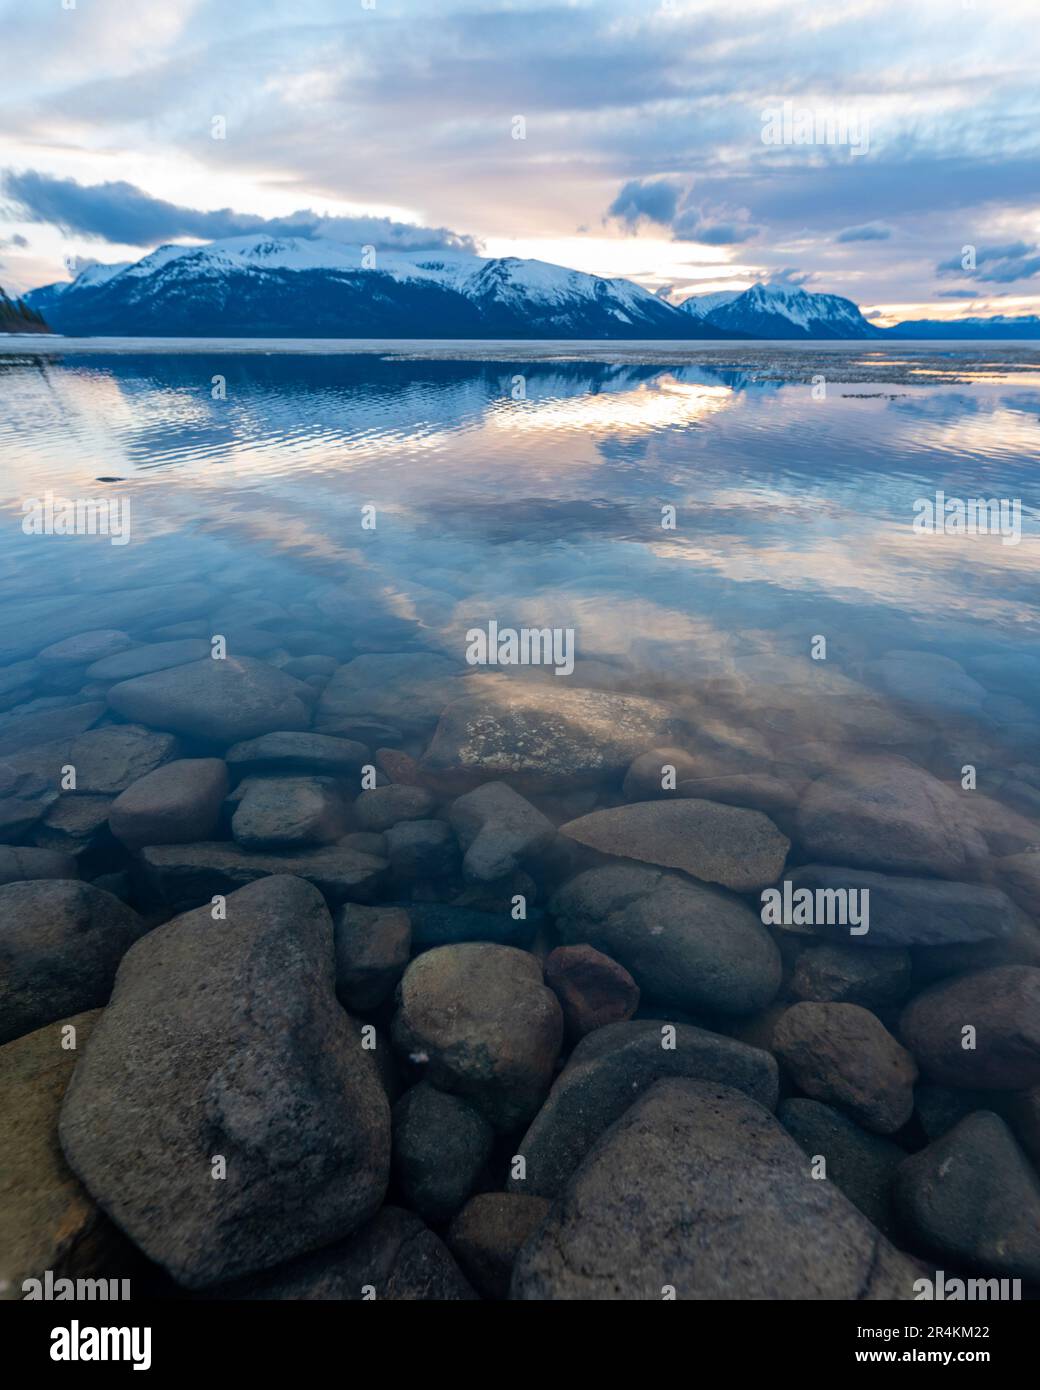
669	404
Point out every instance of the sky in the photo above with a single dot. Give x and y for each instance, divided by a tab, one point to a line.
886	150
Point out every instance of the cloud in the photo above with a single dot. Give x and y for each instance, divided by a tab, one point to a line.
128	216
667	203
7	242
693	225
650	200
869	231
791	276
999	265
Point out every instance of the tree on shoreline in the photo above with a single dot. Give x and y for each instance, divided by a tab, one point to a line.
17	317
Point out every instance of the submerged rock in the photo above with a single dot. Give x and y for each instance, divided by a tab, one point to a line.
153	656
74	824
860	1164
609	1070
730	845
373	945
887	813
844	1054
423	849
394	1258
379	808
107	761
979	1030
224	701
287	812
176	804
406	690
60	947
225	1041
973	1197
478	1020
697	1188
498	831
546	735
488	1234
85	647
288	751
846	975
593	990
685	944
440	1146
20	732
19	863
184	876
47	1220
911	911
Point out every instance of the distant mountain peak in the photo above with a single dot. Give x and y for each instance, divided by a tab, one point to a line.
777	310
264	286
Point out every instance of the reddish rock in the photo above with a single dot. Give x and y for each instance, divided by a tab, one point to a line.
593	990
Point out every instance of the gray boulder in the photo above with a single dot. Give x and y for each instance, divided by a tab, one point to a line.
609	1070
844	1054
373	945
107	761
887	813
18	863
223	701
912	911
687	945
699	1190
379	808
980	1030
860	1164
153	656
394	1258
251	1063
542	735
297	751
488	1234
973	1197
60	946
176	804
479	1022
289	812
440	1146
184	876
406	690
498	831
729	845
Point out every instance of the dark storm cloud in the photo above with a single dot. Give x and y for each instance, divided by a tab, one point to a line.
126	215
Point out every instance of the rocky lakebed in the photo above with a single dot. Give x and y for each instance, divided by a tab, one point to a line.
333	968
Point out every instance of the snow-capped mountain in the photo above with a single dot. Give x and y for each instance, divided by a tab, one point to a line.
779	311
309	287
999	326
701	305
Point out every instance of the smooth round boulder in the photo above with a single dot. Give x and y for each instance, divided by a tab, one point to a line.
177	804
225	1113
60	946
440	1146
978	1031
843	1054
221	701
479	1023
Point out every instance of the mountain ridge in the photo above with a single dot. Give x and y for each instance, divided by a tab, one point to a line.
303	287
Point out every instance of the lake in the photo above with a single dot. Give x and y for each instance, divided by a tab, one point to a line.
716	666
